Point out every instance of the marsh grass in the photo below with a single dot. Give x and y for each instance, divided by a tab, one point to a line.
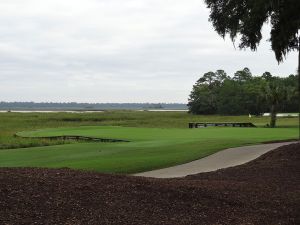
11	123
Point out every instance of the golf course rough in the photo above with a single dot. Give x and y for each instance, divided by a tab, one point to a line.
147	149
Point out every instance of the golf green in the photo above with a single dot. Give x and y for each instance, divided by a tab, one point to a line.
147	149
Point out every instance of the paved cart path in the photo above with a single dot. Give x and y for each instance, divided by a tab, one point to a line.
222	159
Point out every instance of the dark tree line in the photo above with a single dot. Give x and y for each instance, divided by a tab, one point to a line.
217	93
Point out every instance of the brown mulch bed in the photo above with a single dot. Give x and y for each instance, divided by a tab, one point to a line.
264	191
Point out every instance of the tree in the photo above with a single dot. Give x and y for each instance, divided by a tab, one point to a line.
202	100
230	99
275	93
203	97
208	78
267	76
221	76
246	18
217	93
254	101
242	75
292	105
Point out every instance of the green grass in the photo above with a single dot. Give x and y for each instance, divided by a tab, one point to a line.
149	148
10	123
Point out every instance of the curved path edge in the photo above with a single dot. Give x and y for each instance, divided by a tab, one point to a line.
223	159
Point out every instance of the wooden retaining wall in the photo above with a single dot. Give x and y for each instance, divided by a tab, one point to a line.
218	124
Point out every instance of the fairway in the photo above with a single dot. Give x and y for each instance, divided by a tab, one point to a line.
147	149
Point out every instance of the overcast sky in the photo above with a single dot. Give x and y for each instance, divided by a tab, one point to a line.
116	50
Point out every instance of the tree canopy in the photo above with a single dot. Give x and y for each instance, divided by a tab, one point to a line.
246	17
243	93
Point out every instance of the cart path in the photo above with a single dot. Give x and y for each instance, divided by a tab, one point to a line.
222	159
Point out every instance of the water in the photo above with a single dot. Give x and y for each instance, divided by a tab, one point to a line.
49	111
95	111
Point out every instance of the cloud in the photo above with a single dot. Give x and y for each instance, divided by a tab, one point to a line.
115	51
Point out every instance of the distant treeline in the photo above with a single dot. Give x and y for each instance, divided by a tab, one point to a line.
243	93
87	106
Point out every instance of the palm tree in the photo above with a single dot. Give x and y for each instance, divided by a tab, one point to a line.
275	93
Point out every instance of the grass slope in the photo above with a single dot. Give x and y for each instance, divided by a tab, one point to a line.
149	148
11	123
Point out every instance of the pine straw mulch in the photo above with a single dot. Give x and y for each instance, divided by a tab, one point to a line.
264	191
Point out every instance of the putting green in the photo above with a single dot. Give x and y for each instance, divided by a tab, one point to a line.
148	149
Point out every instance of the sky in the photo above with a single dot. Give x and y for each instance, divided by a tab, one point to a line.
116	51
